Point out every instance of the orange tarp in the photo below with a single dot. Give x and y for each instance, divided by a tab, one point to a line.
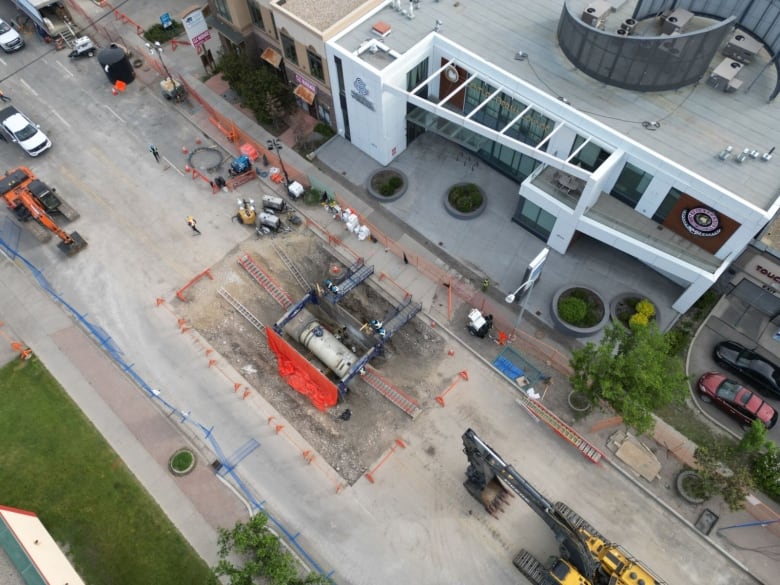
302	375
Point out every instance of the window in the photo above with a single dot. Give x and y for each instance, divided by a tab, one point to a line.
590	157
535	219
416	76
255	13
315	65
222	9
631	185
288	46
668	203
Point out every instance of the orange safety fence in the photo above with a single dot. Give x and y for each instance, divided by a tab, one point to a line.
464	290
458	285
240	137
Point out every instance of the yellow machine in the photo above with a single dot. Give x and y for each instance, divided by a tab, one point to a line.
586	557
246	211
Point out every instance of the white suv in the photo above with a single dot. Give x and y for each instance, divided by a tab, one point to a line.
10	40
18	128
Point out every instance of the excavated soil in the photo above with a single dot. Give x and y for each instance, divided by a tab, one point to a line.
412	360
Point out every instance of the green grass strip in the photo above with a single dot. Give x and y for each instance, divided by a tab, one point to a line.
56	464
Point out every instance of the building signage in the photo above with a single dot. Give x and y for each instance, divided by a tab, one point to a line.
196	28
305	83
360	93
762	270
772	274
701	221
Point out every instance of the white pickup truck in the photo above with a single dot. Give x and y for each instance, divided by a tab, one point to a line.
18	128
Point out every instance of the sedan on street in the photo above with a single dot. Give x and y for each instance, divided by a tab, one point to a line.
747	364
736	400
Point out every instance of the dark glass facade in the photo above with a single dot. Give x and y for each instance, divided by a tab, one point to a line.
640	63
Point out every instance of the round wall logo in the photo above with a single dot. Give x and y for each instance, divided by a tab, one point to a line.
360	86
701	221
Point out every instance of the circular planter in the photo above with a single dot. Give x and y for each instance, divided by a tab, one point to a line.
623	304
600	306
182	462
578	402
380	177
683	481
464	214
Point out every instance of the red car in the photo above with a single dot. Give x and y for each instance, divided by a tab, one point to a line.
738	401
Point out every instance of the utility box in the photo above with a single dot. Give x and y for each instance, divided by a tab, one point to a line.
295	190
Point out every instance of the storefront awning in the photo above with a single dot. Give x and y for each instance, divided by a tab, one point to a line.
271	56
305	94
225	30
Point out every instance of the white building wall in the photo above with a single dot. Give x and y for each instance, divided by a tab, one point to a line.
381	134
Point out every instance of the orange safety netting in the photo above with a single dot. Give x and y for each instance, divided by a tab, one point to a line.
302	375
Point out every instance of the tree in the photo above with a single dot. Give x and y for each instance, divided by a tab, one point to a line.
723	467
260	554
260	89
766	470
634	371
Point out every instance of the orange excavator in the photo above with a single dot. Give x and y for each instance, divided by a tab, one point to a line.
31	199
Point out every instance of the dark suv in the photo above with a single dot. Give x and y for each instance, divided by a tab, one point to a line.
763	375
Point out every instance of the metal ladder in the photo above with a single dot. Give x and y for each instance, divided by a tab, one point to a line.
393	394
243	311
279	295
68	35
292	268
561	428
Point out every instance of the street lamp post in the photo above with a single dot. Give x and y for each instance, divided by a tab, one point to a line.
532	274
157	47
273	144
510	298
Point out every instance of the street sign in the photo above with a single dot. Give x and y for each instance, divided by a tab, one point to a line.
196	28
166	21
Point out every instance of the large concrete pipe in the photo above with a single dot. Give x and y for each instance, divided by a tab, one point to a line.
321	342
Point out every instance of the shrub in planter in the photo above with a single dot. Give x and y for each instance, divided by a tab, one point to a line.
583	309
182	462
694	488
390	186
465	197
572	310
627	306
646	308
387	184
638	320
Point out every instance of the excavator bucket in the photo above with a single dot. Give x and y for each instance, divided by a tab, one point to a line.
74	246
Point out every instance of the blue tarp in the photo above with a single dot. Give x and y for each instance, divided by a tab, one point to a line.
507	368
512	365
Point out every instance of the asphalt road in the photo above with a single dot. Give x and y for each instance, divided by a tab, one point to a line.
416	523
701	361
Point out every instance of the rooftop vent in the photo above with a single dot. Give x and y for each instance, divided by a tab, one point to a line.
381	29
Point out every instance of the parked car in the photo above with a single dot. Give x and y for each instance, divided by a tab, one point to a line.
10	40
736	400
18	128
762	374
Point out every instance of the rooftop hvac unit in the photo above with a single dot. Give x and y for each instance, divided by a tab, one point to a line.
628	25
595	13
